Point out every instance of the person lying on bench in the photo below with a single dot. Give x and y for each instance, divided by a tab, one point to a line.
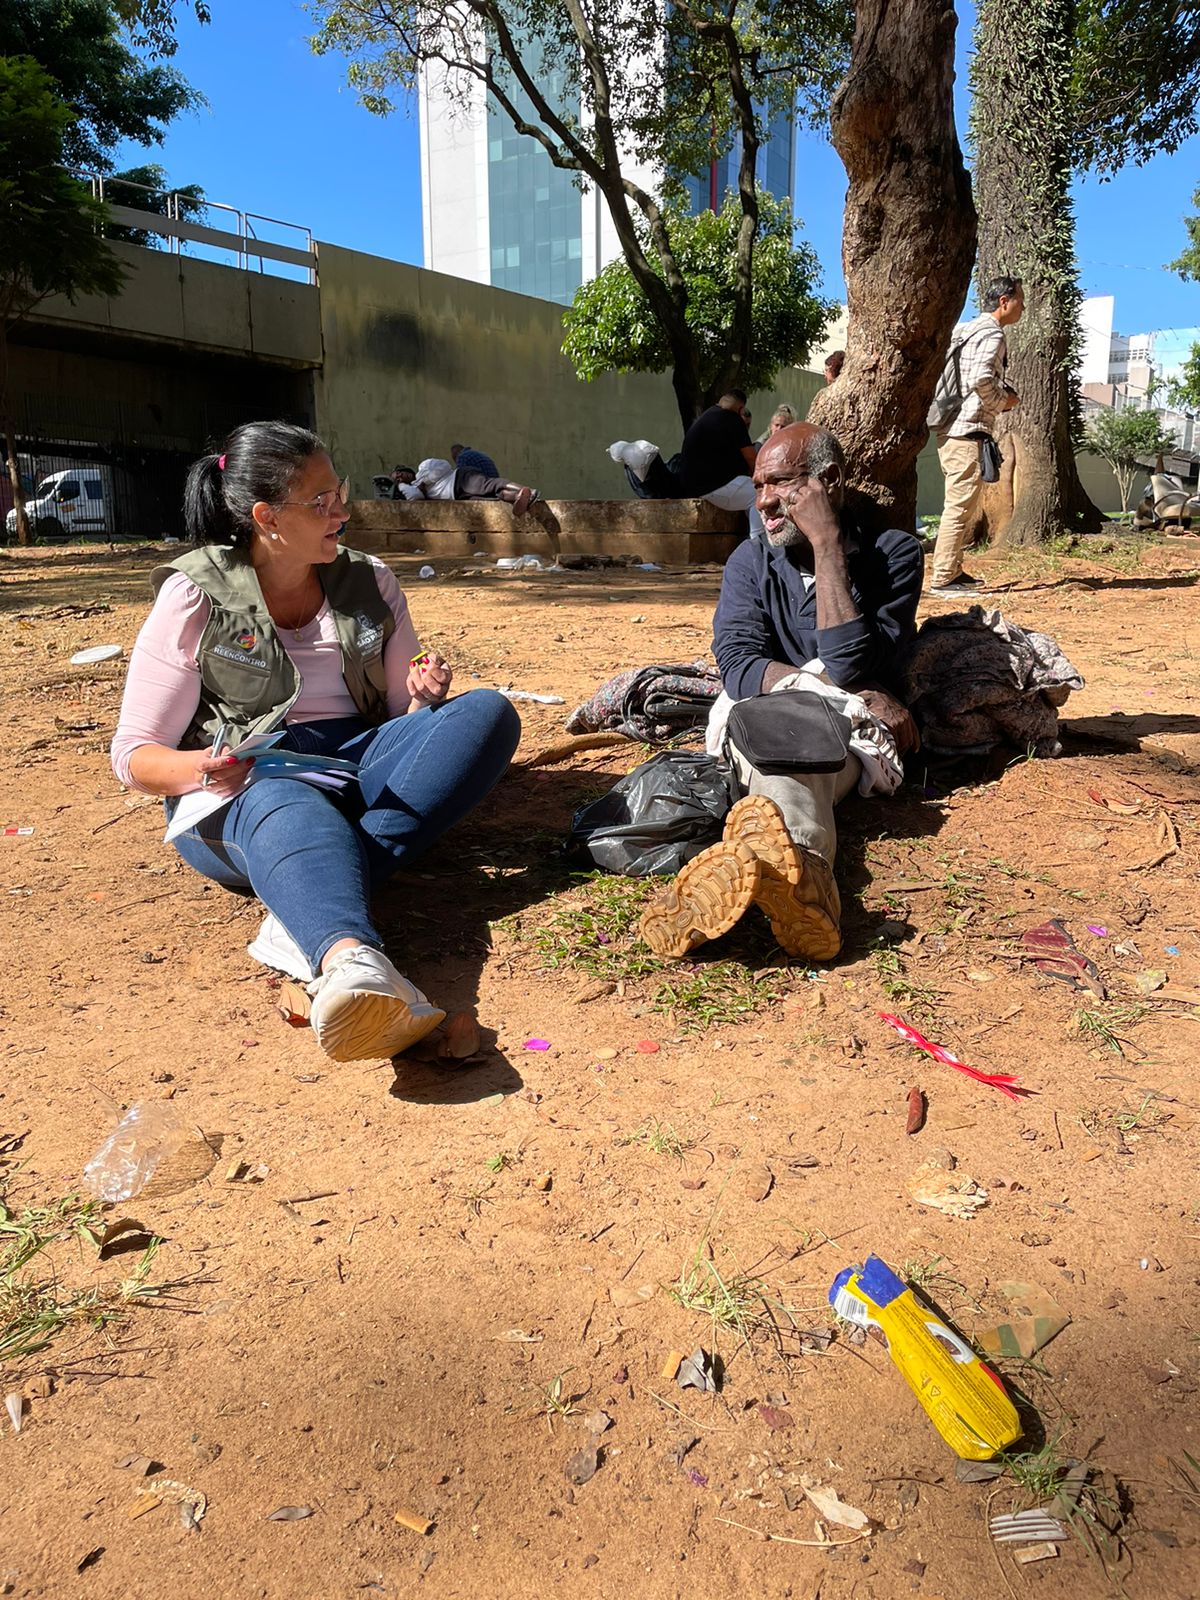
824	594
438	479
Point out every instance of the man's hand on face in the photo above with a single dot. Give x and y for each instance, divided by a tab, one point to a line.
897	719
806	501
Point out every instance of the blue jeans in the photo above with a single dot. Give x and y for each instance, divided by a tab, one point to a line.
315	856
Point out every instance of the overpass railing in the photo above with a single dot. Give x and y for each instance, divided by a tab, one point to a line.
176	224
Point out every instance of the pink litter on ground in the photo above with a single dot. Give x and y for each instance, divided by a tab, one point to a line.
537	1044
1098	929
1006	1082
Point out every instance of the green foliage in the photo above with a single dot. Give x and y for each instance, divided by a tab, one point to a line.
610	327
49	226
1135	79
1187	265
152	22
112	94
1120	438
1184	391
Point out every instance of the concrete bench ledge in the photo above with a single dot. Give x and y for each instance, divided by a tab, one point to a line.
670	532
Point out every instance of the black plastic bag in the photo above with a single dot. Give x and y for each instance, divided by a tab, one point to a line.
656	817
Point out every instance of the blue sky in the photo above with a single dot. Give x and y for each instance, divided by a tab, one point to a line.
284	137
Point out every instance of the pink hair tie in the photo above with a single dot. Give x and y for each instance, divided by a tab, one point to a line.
220	463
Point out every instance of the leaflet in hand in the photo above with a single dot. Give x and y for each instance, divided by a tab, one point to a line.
327	772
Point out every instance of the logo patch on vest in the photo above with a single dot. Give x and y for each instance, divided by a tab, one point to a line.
239	655
370	634
246	640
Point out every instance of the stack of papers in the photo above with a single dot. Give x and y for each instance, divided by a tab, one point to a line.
327	772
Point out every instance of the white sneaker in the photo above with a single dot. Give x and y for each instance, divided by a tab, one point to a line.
362	1008
274	946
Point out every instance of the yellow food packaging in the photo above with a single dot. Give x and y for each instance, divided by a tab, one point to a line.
964	1398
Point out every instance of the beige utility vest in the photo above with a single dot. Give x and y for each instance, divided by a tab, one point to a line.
247	678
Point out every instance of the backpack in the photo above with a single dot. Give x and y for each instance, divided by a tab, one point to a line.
948	396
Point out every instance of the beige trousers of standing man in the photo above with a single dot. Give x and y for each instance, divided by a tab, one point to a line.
960	466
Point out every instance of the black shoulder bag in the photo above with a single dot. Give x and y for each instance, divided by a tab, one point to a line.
791	731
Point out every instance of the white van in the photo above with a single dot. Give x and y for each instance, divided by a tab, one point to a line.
71	503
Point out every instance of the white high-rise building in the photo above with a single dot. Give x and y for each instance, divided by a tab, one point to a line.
497	210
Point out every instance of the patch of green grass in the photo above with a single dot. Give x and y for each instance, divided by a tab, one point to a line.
742	1302
735	1302
1187	1479
1107	1024
500	1162
929	1277
36	1305
1036	1473
554	1403
713	996
660	1137
476	1197
1147	1117
592	929
918	998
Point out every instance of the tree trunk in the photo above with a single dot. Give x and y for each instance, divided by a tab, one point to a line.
907	245
10	444
1020	124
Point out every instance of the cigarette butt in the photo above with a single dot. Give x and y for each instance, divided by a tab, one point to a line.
671	1365
414	1521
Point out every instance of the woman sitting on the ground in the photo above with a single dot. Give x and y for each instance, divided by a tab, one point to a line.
271	624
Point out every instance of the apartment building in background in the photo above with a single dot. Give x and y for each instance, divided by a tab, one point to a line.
496	210
1127	371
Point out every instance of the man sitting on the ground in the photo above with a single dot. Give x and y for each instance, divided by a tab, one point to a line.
717	458
438	479
820	587
468	460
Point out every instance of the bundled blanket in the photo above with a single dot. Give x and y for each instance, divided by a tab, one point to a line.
650	703
975	680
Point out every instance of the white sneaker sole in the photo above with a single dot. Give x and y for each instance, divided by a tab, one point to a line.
370	1027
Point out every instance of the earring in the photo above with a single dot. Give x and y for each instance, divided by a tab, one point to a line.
274	535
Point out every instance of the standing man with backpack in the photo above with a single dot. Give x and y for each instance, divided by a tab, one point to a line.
970	395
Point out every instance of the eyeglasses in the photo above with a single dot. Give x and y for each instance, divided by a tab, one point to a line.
323	503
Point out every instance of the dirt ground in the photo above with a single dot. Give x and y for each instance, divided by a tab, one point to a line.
401	1315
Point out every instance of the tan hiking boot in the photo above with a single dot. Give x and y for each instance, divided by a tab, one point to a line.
796	887
712	891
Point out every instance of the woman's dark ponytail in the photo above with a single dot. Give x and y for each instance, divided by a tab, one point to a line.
206	518
258	461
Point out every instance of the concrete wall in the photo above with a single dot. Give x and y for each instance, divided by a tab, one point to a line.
415	360
172	299
1100	482
1095	475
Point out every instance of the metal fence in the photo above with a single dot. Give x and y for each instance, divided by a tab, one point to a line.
94	469
241	238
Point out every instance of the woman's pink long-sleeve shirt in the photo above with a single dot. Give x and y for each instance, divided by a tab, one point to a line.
162	690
